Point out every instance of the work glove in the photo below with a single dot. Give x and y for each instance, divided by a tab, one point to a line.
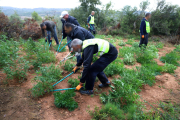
88	26
142	36
76	69
79	86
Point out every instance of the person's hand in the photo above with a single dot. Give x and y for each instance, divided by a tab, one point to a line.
76	69
142	36
88	26
79	86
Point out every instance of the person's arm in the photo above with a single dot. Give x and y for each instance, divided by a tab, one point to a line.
43	32
89	18
88	56
80	61
76	22
142	27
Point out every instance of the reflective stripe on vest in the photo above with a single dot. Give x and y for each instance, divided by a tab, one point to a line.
92	20
147	27
103	45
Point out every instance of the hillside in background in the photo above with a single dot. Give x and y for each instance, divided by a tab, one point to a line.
27	11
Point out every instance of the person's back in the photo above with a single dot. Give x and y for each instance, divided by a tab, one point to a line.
81	33
49	24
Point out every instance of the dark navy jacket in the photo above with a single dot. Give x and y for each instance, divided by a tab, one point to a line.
143	27
72	20
87	57
80	33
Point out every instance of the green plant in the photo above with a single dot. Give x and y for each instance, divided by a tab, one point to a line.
108	111
171	58
129	59
160	45
115	67
49	74
41	88
126	50
17	70
65	100
135	44
73	82
130	41
146	55
169	68
121	43
68	66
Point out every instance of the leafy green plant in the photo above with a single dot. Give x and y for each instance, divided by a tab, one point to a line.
171	58
159	45
65	100
49	74
73	82
121	43
68	66
129	59
135	44
126	50
41	88
146	55
114	68
108	111
169	68
130	41
17	70
8	51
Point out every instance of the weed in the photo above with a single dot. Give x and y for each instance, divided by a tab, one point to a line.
73	82
17	70
41	88
116	67
169	68
121	43
49	74
171	58
65	100
159	45
109	110
130	42
126	50
68	66
135	44
129	59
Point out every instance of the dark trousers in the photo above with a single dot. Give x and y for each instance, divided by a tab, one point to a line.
143	40
92	29
55	36
96	69
69	46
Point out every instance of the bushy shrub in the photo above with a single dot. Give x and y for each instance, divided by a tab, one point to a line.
73	82
135	44
65	100
121	43
126	50
146	55
114	68
41	88
8	51
68	66
107	111
17	70
171	58
129	59
49	74
130	41
169	68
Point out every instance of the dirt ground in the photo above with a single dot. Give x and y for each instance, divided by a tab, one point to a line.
16	102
